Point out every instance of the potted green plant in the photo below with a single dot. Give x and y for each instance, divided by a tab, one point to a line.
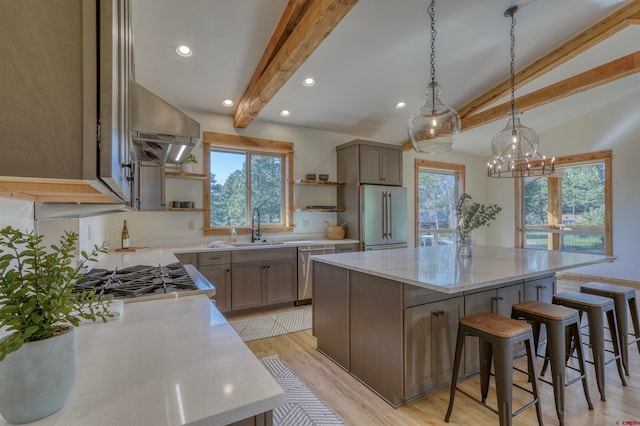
39	310
187	166
471	215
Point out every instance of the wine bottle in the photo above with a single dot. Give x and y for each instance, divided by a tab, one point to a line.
125	236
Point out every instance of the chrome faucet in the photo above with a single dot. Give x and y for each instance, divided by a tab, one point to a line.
257	235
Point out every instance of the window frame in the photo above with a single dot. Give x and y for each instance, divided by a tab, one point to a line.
458	170
227	142
570	160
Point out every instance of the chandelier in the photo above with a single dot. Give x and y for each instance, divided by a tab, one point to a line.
515	148
434	127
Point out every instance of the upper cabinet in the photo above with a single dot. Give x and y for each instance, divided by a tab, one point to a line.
64	100
368	162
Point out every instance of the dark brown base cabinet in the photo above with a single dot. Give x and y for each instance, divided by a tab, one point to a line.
247	279
396	338
263	277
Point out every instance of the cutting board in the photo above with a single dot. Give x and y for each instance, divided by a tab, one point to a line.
131	249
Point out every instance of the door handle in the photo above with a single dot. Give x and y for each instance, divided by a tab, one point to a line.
384	214
390	204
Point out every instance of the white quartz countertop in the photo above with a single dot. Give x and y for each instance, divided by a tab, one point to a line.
224	246
165	362
441	269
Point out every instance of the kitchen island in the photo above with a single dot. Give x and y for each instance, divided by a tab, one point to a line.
390	317
166	362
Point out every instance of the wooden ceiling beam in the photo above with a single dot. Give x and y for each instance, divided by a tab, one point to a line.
588	38
634	19
302	27
594	77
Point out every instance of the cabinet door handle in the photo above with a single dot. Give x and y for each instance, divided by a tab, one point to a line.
228	270
435	314
440	312
268	266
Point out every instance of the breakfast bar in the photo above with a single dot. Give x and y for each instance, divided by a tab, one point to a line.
389	317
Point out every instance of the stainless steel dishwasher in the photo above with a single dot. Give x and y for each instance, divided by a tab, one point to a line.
305	274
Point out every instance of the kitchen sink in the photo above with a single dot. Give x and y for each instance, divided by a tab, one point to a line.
259	244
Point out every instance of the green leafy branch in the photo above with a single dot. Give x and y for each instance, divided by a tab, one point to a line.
36	288
471	215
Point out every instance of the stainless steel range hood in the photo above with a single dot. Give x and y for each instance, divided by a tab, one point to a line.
160	133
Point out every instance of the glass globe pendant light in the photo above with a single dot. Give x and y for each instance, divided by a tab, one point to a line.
515	148
434	127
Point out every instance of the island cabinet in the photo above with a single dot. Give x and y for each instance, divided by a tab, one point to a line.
430	344
396	338
540	289
216	268
262	277
497	300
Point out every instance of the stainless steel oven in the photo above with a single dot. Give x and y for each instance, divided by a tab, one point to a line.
305	276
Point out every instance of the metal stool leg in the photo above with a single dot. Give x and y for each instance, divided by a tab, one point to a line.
557	353
504	380
531	365
578	345
634	319
596	340
456	366
615	341
486	356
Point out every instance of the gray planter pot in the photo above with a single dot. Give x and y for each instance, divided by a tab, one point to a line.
36	380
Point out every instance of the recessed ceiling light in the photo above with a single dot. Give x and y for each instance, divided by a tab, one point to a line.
184	50
228	103
400	104
309	81
285	113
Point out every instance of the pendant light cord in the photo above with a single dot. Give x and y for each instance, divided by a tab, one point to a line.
432	15
513	66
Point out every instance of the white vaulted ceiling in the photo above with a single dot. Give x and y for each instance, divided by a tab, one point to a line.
377	54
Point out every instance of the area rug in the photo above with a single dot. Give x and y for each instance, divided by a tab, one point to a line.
301	406
265	326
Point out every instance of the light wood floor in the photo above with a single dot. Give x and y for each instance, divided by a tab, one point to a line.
357	405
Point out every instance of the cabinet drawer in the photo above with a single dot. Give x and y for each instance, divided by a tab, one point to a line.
253	255
214	258
346	248
413	295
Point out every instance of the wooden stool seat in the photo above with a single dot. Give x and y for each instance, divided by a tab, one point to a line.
562	324
497	336
547	310
596	308
624	299
495	324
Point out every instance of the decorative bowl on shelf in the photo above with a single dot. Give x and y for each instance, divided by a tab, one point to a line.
310	176
323	177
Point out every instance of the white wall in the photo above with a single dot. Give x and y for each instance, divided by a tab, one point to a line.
16	213
616	127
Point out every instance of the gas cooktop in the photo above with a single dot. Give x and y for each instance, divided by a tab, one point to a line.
135	281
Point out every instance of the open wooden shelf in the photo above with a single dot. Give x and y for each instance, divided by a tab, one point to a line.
175	209
184	175
319	210
318	182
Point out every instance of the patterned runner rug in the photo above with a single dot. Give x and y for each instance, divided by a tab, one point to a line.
301	406
273	325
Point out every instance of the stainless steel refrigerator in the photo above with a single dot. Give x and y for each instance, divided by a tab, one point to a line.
383	217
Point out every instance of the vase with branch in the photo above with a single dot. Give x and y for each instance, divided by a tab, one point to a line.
471	215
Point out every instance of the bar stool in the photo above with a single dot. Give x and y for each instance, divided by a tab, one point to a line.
562	324
622	296
497	335
595	307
